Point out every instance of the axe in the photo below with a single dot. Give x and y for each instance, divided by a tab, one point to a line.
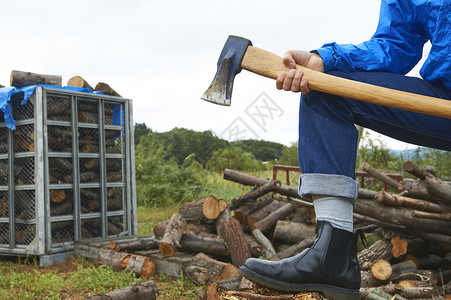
238	53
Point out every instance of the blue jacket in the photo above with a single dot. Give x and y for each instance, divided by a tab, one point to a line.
397	46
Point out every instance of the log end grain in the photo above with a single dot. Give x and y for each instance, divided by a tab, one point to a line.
381	269
166	249
213	207
399	246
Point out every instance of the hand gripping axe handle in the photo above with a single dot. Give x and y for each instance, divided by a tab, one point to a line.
238	53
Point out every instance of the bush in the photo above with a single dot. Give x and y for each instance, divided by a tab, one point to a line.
233	158
161	181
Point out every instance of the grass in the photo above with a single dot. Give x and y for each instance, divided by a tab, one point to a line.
78	278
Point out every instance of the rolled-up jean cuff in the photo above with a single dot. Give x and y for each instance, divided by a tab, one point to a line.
328	184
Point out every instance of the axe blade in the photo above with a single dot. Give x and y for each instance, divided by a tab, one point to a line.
229	64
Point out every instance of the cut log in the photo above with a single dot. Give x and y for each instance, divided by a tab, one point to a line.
230	284
254	194
439	189
77	81
265	242
366	194
141	244
417	189
368	280
199	228
205	242
20	79
140	265
172	236
399	246
400	201
57	196
205	209
400	216
203	269
244	211
270	220
379	250
263	212
381	269
404	268
415	170
106	89
296	248
160	229
256	181
136	291
379	294
255	247
376	174
232	233
292	232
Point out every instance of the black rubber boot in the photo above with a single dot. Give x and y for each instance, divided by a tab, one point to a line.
330	266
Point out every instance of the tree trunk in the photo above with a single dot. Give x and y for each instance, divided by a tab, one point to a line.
252	195
232	233
205	209
172	236
20	79
136	291
140	265
292	232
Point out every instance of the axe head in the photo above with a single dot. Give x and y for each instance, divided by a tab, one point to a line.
229	64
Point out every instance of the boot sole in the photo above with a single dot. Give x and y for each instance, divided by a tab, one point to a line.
329	291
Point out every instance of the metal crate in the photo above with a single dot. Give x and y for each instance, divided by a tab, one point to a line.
66	173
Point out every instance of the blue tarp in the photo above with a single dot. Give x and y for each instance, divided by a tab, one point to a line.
7	92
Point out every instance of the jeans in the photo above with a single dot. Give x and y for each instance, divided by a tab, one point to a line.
327	146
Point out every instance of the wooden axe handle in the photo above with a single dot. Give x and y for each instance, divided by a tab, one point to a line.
271	65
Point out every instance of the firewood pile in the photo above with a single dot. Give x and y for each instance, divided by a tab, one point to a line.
408	236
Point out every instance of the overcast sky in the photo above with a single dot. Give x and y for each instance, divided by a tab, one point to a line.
163	54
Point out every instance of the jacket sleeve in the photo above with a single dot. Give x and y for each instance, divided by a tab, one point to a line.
397	45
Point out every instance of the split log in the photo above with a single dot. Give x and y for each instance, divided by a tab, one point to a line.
296	248
292	232
416	171
205	242
381	269
106	89
263	212
254	194
205	209
439	189
376	174
203	269
20	79
270	220
77	81
140	265
244	211
379	250
232	233
265	242
136	291
172	236
141	244
400	201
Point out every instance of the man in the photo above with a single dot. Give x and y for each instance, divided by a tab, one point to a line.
328	137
